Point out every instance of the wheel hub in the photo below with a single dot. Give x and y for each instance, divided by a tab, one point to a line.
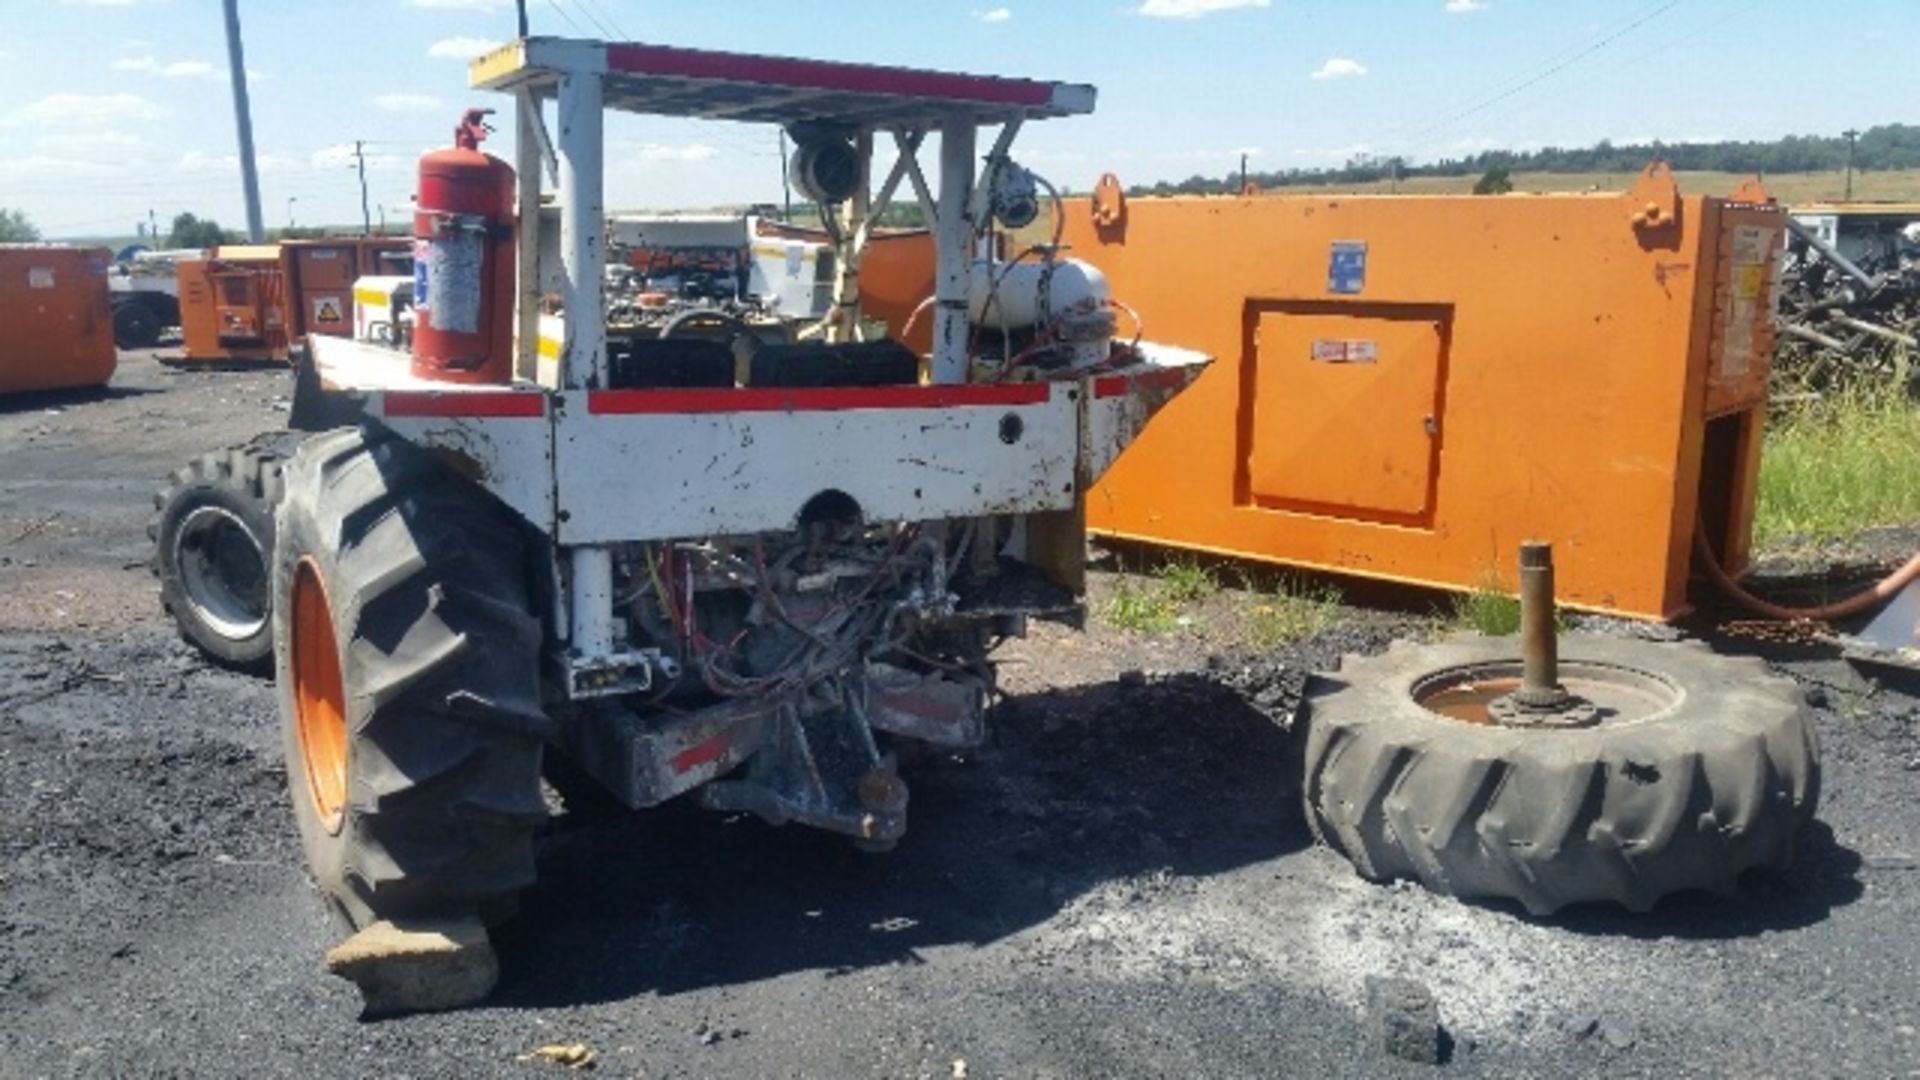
1596	693
223	571
319	697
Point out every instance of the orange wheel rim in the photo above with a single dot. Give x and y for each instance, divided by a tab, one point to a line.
319	697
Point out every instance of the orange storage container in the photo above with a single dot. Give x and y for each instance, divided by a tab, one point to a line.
233	306
1409	386
55	330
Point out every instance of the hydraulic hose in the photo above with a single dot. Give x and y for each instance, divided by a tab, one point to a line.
1861	601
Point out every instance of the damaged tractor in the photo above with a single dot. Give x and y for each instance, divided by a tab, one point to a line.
675	574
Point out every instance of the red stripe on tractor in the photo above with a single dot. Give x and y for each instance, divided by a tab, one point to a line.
811	399
478	403
1107	386
695	756
824	75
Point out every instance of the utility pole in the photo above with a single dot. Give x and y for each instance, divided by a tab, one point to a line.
1851	135
360	162
1243	173
786	182
243	120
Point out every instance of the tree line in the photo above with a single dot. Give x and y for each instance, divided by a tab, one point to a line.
1888	146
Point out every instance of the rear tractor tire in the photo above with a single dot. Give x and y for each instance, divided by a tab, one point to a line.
407	656
1699	768
212	532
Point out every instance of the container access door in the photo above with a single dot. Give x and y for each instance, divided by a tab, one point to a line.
1344	408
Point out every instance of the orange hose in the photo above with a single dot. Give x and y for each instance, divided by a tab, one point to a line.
1852	605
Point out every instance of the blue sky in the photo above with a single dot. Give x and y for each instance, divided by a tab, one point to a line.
109	108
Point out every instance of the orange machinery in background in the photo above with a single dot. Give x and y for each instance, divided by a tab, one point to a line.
232	307
1409	386
319	277
56	332
248	303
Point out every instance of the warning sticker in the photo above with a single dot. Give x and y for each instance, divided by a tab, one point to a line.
1329	351
39	277
1749	301
326	311
1752	244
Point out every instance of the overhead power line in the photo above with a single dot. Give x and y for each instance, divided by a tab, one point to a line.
1554	68
577	28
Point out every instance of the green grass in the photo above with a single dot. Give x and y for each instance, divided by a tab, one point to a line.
1488	609
1153	606
1790	188
1835	467
1185	582
1292	610
1145	608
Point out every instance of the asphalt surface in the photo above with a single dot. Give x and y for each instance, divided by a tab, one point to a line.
1119	884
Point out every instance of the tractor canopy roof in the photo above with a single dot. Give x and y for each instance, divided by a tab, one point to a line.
665	81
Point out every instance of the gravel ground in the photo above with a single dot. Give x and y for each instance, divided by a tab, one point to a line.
1120	883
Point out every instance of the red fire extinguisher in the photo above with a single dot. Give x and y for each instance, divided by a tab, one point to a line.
463	261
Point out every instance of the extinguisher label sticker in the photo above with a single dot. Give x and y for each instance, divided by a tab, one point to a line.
1347	267
451	271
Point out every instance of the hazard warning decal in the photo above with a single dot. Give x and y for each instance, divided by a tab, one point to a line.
326	311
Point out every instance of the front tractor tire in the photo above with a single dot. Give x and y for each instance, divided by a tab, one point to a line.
406	655
1699	768
212	534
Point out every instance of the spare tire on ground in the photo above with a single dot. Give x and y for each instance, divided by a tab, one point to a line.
213	534
1696	768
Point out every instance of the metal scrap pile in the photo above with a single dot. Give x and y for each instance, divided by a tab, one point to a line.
1849	303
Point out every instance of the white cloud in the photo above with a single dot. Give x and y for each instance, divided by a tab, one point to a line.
199	161
189	69
1058	157
461	48
673	152
45	165
1332	153
399	102
459	5
1193	9
994	15
65	109
340	156
88	140
178	69
1340	67
1465	7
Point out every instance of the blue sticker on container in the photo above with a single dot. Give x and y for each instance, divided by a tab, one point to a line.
1347	268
